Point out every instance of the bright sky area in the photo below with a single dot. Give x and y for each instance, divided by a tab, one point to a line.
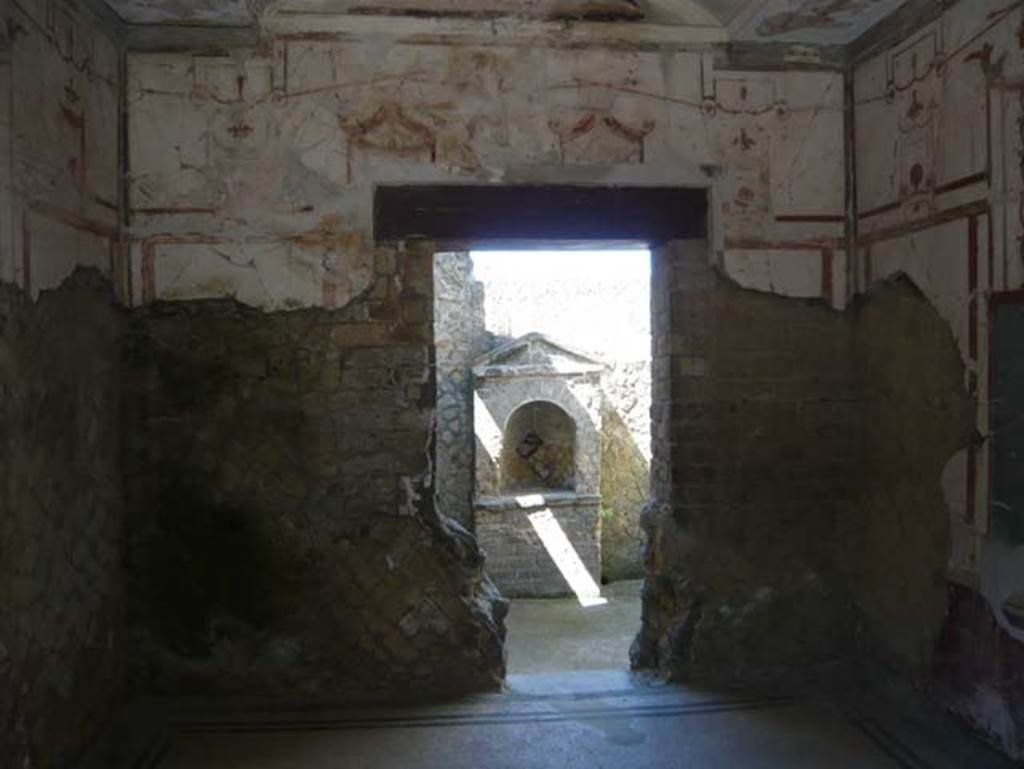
631	264
595	301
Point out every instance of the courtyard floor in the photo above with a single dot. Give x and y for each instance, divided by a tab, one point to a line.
552	635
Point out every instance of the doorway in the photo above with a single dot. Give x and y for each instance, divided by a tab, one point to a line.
544	439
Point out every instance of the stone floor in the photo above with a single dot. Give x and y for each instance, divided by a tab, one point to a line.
552	635
570	702
589	719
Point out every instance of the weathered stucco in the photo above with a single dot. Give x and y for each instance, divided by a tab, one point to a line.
938	146
260	185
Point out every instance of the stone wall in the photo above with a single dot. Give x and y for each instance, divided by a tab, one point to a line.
459	336
800	513
519	561
756	468
61	516
284	538
61	509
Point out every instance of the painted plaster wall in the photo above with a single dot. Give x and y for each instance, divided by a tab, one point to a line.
64	91
252	174
61	508
938	143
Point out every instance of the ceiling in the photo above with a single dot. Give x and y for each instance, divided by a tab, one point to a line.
788	21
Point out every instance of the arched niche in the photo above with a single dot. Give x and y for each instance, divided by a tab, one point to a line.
538	450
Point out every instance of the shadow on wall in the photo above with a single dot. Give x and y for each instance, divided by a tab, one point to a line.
625	491
283	539
538	450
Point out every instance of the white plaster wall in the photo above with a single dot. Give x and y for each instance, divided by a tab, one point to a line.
939	181
277	153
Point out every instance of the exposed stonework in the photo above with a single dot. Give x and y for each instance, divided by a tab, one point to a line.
801	515
459	337
517	558
284	537
61	517
756	464
917	416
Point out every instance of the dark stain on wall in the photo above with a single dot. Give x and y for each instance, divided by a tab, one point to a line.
284	538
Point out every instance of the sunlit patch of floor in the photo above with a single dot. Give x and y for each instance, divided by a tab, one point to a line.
549	635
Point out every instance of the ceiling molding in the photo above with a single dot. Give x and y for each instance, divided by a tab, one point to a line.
774	57
897	27
508	31
103	13
515	31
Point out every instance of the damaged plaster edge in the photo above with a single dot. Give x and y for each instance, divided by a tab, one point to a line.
81	272
905	21
840	306
168	36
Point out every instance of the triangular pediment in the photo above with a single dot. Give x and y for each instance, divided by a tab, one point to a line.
532	355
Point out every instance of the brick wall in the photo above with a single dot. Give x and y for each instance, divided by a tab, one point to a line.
517	559
755	473
284	537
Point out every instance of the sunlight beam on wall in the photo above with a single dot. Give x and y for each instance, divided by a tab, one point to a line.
487	430
587	591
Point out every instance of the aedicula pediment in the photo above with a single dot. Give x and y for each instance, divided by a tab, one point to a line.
534	355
